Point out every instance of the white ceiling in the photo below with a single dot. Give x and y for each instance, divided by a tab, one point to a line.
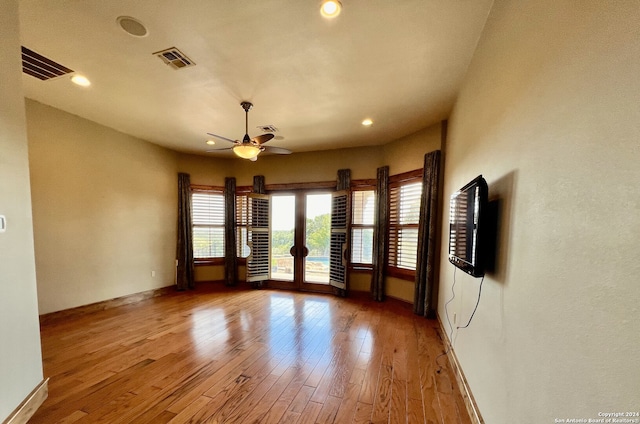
398	62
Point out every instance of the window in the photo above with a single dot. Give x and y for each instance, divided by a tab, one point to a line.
207	209
362	214
404	215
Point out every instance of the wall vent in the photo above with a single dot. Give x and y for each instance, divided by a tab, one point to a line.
41	67
267	128
174	58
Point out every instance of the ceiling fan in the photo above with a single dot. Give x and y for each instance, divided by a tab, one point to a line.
250	148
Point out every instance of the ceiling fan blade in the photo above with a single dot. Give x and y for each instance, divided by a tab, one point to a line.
222	138
261	139
276	150
219	150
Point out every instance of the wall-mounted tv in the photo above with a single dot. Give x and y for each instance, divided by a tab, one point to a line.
467	227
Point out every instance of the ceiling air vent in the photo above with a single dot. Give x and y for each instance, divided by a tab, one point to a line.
174	58
41	67
267	128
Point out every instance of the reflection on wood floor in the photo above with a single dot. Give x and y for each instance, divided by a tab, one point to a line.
218	355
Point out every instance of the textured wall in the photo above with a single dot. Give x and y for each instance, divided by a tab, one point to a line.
549	114
104	210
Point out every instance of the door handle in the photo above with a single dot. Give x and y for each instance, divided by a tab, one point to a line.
299	252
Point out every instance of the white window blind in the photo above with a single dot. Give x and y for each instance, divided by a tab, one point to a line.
404	216
362	215
207	210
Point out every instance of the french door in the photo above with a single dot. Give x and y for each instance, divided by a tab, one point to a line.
298	240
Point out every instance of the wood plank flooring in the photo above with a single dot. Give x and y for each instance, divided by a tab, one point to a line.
218	355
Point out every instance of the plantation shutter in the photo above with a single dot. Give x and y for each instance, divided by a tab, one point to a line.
404	216
339	231
242	248
362	221
207	208
258	237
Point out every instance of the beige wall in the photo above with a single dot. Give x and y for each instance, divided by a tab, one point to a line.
311	166
205	170
549	115
104	210
407	153
21	363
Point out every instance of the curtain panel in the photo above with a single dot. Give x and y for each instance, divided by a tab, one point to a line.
424	301
184	250
258	184
230	258
380	234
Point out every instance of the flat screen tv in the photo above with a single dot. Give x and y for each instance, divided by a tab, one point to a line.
467	227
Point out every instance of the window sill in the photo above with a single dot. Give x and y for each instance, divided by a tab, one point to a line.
208	261
401	273
364	268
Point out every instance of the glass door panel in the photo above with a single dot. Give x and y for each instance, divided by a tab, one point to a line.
283	223
317	238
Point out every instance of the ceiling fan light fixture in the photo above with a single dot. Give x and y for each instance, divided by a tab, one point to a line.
211	142
246	151
330	8
367	122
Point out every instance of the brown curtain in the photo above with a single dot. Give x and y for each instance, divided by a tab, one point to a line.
184	250
258	184
344	183
424	301
230	258
344	179
259	188
380	234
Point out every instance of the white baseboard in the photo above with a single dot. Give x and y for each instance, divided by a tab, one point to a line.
465	390
30	405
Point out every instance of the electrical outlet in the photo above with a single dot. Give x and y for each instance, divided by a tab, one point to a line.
153	273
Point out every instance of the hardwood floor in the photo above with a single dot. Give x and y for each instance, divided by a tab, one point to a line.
242	356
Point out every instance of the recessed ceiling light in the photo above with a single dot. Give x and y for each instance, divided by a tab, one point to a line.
367	122
211	142
330	8
80	80
132	26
